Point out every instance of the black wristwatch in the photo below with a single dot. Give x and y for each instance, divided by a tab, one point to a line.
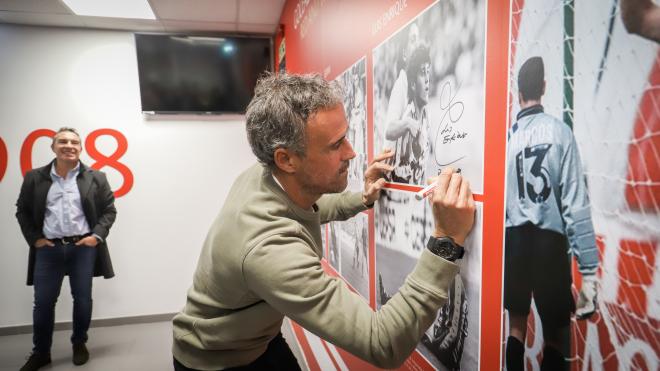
445	247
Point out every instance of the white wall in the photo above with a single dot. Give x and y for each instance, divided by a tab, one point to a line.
183	167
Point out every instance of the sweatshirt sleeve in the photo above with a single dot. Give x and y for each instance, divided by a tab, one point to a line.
340	206
576	211
287	274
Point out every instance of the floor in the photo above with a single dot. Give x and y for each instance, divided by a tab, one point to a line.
143	347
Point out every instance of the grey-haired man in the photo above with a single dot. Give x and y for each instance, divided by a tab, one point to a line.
261	260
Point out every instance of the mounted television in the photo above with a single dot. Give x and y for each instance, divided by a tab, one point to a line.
199	74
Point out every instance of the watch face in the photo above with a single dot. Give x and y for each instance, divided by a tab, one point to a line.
445	248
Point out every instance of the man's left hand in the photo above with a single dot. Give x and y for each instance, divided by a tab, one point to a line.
373	177
88	241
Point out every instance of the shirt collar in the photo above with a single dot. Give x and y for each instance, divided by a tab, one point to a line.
277	181
532	110
53	172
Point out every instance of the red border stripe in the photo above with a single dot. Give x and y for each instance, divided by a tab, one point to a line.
415	189
306	348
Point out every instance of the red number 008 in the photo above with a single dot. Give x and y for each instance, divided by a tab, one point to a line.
3	159
90	146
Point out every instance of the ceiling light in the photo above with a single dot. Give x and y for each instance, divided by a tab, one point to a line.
228	48
139	9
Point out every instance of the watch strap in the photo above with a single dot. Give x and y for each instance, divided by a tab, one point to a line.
446	248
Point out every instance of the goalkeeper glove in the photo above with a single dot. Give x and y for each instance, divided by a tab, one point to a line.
586	304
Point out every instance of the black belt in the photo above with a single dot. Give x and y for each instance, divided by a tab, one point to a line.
70	239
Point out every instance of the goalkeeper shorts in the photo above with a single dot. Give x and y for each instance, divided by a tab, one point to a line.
537	264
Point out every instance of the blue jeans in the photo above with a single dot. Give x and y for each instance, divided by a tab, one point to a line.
52	263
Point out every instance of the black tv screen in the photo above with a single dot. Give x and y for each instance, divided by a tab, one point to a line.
199	74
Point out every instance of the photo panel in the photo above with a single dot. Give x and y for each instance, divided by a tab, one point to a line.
428	88
403	226
351	246
354	83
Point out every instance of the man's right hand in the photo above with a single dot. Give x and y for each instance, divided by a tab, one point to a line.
453	206
43	242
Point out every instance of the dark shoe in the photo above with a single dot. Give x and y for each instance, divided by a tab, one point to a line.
80	354
36	361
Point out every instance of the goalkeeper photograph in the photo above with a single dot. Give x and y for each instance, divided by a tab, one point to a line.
548	223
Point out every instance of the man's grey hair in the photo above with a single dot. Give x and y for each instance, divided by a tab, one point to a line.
64	129
277	115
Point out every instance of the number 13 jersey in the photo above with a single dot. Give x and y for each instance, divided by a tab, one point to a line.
545	183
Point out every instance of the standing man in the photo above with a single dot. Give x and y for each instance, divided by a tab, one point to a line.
65	210
261	260
547	209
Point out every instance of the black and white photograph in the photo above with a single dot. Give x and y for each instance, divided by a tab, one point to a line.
429	94
349	240
354	82
351	244
333	246
403	225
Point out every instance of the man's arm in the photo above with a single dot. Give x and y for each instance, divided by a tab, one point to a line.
287	274
30	231
579	228
641	17
105	200
340	206
397	122
576	211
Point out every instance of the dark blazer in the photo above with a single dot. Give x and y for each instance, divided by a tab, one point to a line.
97	202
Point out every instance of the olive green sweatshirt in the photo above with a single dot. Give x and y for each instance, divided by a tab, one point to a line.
261	261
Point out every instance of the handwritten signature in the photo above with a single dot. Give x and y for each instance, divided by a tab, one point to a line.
453	111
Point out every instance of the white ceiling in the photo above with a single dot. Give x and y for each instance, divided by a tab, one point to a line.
172	16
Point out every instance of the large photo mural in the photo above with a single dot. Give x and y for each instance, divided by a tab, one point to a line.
583	141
